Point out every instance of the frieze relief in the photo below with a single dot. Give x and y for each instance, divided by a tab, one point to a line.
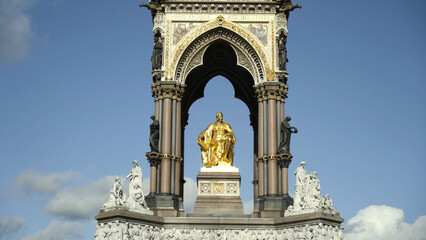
231	7
219	188
115	229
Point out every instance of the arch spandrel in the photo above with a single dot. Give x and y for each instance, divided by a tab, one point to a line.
250	51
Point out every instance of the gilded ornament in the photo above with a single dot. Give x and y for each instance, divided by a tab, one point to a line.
218	188
270	75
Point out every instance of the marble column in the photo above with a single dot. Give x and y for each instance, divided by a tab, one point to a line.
178	148
260	147
272	148
153	177
166	146
284	169
265	147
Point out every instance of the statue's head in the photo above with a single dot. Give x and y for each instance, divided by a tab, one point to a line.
135	163
117	179
288	118
153	117
302	163
314	174
219	116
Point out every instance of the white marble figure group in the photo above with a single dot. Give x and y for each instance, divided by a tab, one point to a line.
126	231
307	195
136	198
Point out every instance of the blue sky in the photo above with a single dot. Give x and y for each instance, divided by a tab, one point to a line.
75	103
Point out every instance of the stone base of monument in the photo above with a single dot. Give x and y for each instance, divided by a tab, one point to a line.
123	208
122	224
219	192
271	206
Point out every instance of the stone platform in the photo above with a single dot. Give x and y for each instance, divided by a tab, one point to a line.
122	224
219	192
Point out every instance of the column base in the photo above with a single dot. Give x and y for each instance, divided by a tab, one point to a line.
256	208
273	206
164	205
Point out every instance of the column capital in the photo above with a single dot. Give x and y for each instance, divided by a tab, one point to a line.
152	156
272	90
284	160
153	159
281	158
169	89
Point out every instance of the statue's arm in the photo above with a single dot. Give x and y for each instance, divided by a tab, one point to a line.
229	129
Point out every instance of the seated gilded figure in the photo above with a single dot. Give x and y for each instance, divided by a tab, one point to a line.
217	143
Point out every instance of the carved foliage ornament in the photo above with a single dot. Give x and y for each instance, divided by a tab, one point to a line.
277	91
167	90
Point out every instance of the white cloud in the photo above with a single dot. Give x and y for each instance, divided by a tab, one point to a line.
82	201
9	226
15	29
248	207
85	201
37	182
190	195
384	222
58	231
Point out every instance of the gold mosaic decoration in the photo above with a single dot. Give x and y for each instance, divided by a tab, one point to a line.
168	76
220	21
273	44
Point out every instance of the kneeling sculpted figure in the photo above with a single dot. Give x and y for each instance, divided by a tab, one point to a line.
217	143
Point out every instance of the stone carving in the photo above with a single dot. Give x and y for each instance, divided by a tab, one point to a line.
286	131
244	61
217	143
205	188
237	7
157	53
307	195
301	179
282	52
127	230
231	188
116	196
154	135
196	61
287	7
136	199
209	37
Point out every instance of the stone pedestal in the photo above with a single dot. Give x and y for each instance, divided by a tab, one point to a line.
219	192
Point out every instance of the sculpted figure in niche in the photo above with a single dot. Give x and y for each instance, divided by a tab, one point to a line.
282	52
286	131
217	143
157	53
136	197
154	134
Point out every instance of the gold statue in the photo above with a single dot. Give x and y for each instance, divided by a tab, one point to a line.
217	143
